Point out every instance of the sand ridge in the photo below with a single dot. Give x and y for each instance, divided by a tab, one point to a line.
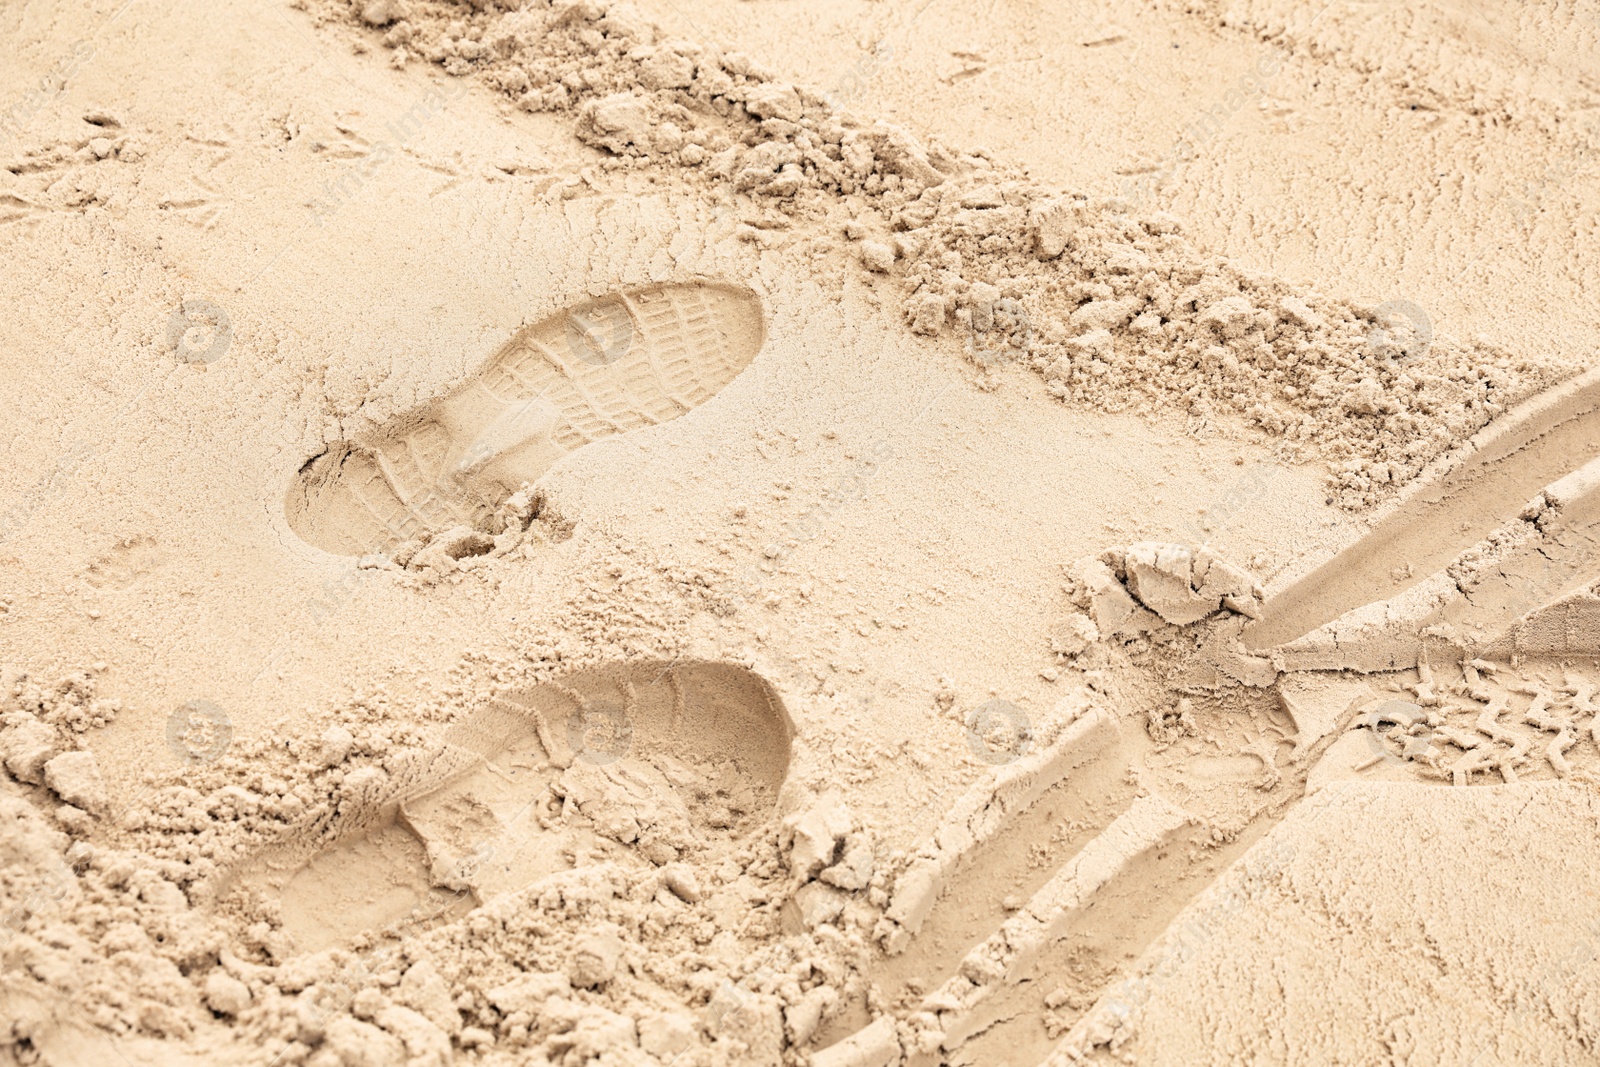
506	790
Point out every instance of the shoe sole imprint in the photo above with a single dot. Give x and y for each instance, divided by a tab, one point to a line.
626	361
642	761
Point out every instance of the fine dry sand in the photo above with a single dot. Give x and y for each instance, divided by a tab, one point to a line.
852	533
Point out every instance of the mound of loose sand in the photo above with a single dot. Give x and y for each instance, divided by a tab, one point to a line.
531	535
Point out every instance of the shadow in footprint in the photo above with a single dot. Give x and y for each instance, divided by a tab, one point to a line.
639	763
609	366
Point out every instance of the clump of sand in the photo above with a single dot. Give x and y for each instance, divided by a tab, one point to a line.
435	876
1112	305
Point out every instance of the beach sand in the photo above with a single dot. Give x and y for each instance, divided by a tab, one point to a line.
853	533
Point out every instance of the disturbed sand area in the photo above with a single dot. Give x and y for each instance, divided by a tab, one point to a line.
837	688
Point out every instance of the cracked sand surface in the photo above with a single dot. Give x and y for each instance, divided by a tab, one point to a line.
1019	276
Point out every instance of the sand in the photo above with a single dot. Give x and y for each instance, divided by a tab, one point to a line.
862	533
